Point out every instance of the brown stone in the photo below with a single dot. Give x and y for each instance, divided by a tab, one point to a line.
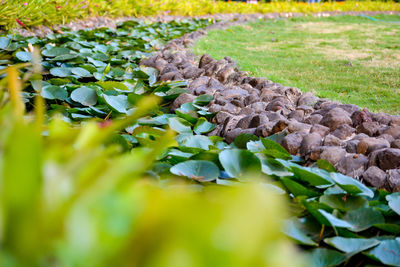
331	140
369	128
231	135
386	158
336	117
344	131
395	144
333	154
182	99
320	129
367	145
313	119
310	141
292	142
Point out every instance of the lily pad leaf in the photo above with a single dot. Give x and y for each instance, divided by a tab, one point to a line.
199	170
325	165
242	139
24	56
118	103
386	252
85	96
351	185
363	218
203	126
203	100
351	245
344	203
334	221
322	257
313	176
291	230
198	141
180	125
274	149
297	189
54	92
394	202
81	72
61	72
55	51
239	162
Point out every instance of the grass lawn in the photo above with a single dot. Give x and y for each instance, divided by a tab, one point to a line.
344	58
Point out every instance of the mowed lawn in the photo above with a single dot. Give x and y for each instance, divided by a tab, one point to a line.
351	59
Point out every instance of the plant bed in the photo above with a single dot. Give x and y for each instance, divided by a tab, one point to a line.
104	128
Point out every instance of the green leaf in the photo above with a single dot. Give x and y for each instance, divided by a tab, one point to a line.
274	149
56	51
24	56
313	176
203	100
394	202
242	139
334	221
389	227
351	245
81	72
85	96
291	230
272	167
322	257
110	85
199	170
363	218
344	203
198	141
351	185
297	189
238	162
60	72
4	42
118	103
179	125
54	92
203	126
325	165
386	252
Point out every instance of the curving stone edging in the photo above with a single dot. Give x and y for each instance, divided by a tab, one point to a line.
357	142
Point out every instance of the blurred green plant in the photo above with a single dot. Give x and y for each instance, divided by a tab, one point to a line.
69	198
23	13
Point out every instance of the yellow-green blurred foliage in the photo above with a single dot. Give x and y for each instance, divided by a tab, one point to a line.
67	199
49	12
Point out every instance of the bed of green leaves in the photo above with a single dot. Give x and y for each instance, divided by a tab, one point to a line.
94	74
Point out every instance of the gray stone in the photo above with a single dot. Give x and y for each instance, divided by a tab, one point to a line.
393	180
375	177
352	165
395	144
386	158
331	140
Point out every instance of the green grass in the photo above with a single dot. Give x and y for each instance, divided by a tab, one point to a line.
314	54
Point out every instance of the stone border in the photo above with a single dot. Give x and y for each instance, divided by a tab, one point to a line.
357	142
